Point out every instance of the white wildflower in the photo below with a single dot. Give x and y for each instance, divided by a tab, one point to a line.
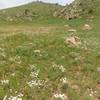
16	91
92	92
98	69
15	59
38	52
35	83
60	95
3	54
91	95
32	67
1	49
10	90
64	80
4	82
60	67
13	74
18	97
35	71
34	74
5	97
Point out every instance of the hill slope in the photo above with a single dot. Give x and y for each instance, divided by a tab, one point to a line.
29	11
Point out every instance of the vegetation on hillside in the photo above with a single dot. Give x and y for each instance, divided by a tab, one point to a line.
29	12
49	58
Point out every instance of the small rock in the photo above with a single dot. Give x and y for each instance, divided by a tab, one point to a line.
91	17
73	41
75	87
87	27
72	30
37	51
67	26
98	86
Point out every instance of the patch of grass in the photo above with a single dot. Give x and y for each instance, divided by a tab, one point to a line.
22	50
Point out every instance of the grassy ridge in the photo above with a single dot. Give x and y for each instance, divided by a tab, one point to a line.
42	9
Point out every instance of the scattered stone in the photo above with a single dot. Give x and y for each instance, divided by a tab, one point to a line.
72	30
9	19
75	87
28	18
91	17
67	26
73	41
87	27
98	86
37	51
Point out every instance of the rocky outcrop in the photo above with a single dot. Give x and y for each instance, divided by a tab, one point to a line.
77	9
26	14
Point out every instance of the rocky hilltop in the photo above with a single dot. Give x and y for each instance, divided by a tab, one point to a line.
78	8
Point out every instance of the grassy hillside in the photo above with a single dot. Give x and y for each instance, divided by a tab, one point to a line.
49	58
42	10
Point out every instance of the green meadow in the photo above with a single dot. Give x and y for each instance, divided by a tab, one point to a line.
38	62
